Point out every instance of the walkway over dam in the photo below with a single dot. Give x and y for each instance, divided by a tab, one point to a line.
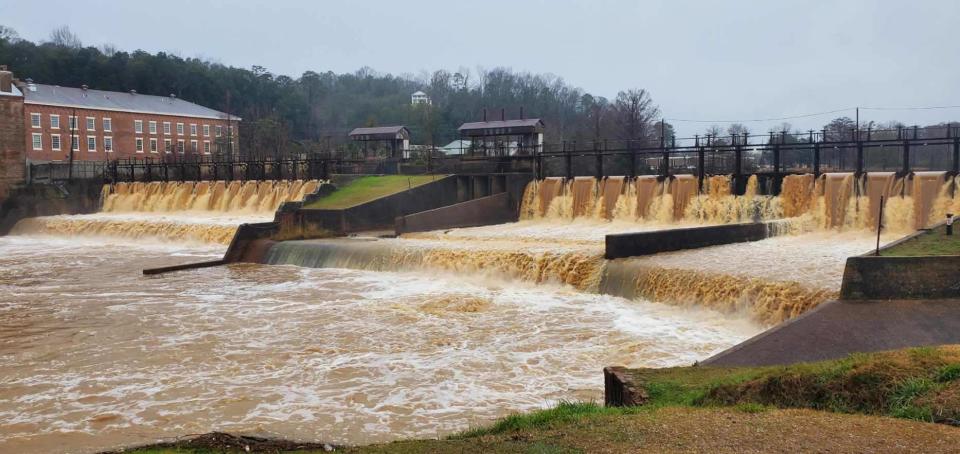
902	151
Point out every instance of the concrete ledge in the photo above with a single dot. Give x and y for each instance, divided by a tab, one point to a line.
619	390
494	209
246	235
872	277
645	243
186	266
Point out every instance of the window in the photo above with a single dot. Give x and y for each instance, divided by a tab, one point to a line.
37	141
55	142
139	145
75	143
107	125
108	144
91	124
138	126
153	145
180	146
153	127
167	146
219	130
35	120
54	121
166	128
179	129
206	147
193	146
206	130
73	123
91	143
193	129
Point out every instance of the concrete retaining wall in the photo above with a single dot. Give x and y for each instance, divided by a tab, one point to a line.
79	197
645	243
870	277
494	209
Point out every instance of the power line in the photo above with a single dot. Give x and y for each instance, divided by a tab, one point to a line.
761	119
792	117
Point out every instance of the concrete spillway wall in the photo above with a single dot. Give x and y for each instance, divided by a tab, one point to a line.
646	243
78	197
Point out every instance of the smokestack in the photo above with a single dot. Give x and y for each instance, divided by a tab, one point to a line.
6	80
503	114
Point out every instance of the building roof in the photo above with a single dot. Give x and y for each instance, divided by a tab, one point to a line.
380	131
502	127
418	93
53	95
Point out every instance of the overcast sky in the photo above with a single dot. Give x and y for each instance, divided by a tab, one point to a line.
705	60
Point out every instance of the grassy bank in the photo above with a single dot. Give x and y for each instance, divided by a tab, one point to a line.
365	189
832	406
934	242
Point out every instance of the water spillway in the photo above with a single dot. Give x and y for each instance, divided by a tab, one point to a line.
832	201
203	212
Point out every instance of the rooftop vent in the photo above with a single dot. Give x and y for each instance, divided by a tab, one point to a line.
84	87
133	92
30	85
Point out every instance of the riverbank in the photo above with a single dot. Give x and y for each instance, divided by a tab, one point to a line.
867	402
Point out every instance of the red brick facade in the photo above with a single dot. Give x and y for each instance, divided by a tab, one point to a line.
198	136
12	151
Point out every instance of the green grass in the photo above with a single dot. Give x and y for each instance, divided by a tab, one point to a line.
564	412
365	189
934	242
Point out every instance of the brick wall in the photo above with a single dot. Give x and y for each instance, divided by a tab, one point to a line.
122	132
12	151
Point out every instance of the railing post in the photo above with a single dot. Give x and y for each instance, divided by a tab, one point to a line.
906	157
633	159
859	155
956	155
568	157
599	158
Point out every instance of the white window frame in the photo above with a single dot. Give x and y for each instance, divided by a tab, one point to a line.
206	130
193	130
107	124
138	126
108	140
167	146
153	145
138	144
58	143
193	146
36	120
152	127
94	139
166	128
218	131
73	123
206	147
52	118
36	141
91	121
181	147
75	142
180	129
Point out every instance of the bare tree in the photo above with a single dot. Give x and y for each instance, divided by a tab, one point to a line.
62	36
635	112
8	34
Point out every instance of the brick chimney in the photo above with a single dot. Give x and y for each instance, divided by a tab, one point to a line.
6	80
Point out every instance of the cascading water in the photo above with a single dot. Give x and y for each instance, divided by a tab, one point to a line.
205	211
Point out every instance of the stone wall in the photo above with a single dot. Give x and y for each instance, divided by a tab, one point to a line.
871	277
78	197
494	209
12	145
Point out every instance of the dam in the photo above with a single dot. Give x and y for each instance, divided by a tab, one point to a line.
365	339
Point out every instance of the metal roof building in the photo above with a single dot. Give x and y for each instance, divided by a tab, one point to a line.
84	98
381	133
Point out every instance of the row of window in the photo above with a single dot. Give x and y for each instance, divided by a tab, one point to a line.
36	121
55	144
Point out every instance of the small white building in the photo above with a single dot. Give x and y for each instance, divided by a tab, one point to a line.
419	97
